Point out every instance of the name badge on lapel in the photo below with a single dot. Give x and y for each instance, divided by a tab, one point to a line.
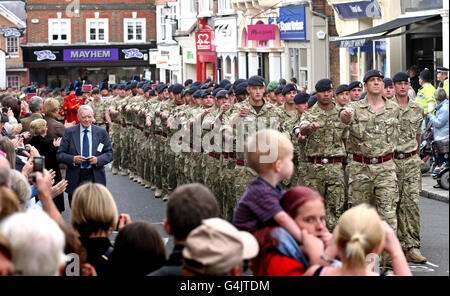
100	147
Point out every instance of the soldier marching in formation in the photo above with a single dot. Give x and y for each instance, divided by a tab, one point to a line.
350	150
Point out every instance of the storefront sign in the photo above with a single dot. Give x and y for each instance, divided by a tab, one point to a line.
42	55
353	43
87	88
189	56
292	23
91	54
204	40
12	32
261	32
132	53
360	9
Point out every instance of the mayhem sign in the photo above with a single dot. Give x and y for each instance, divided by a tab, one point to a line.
91	54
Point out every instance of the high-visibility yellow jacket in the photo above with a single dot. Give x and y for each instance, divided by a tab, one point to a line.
425	97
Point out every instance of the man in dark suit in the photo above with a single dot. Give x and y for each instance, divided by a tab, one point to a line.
85	149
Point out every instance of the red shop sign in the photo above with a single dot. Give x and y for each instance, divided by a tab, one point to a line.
261	32
204	40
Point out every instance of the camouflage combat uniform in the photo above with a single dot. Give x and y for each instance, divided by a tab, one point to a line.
325	152
99	109
409	175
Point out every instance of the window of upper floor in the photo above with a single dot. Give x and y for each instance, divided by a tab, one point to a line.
205	7
134	29
12	46
97	30
225	7
59	31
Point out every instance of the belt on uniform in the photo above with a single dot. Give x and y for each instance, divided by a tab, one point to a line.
240	162
116	122
180	139
215	155
164	134
147	134
372	160
123	125
232	155
325	160
157	133
225	154
399	155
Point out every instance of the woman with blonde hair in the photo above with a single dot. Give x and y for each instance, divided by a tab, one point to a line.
94	216
360	233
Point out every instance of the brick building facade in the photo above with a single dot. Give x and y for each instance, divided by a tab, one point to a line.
12	27
90	40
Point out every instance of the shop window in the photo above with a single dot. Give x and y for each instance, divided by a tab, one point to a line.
134	30
13	81
365	58
205	7
58	31
97	30
12	46
225	7
298	63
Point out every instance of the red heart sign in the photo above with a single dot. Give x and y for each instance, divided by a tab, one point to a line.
203	39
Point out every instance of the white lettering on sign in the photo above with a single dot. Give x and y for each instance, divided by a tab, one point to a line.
83	54
292	26
356	8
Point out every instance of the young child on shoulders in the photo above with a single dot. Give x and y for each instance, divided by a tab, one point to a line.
359	233
269	153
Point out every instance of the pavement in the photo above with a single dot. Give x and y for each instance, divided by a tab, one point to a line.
433	193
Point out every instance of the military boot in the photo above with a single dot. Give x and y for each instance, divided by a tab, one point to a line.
115	171
414	255
158	193
125	172
153	187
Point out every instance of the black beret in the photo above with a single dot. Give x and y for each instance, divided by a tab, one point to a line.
121	86
426	75
129	87
230	91
56	91
170	88
103	86
387	81
288	87
228	86
354	84
208	80
372	73
215	91
192	89
161	87
187	82
204	86
341	88
212	84
224	83
400	76
206	92
177	88
152	93
197	83
141	84
222	93
197	94
312	101
95	91
441	70
279	90
79	91
133	85
147	88
241	88
324	85
301	98
256	81
238	81
114	86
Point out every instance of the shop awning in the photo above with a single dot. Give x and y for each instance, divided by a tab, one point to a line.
365	37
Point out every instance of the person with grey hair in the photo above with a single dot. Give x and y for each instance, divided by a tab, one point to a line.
440	122
21	187
85	148
37	243
35	105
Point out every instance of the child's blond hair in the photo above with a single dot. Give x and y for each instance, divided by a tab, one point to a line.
266	147
360	233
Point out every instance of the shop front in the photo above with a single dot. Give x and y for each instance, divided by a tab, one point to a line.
58	66
225	38
206	52
168	63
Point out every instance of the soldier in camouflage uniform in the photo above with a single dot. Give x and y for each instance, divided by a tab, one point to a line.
126	132
248	117
325	151
196	172
292	131
407	162
140	141
99	108
113	117
373	137
289	113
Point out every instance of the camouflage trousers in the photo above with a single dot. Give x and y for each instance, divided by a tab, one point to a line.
302	172
212	180
168	173
196	171
187	167
140	143
148	158
328	180
133	136
408	215
243	177
180	159
125	156
374	184
157	155
115	139
227	182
